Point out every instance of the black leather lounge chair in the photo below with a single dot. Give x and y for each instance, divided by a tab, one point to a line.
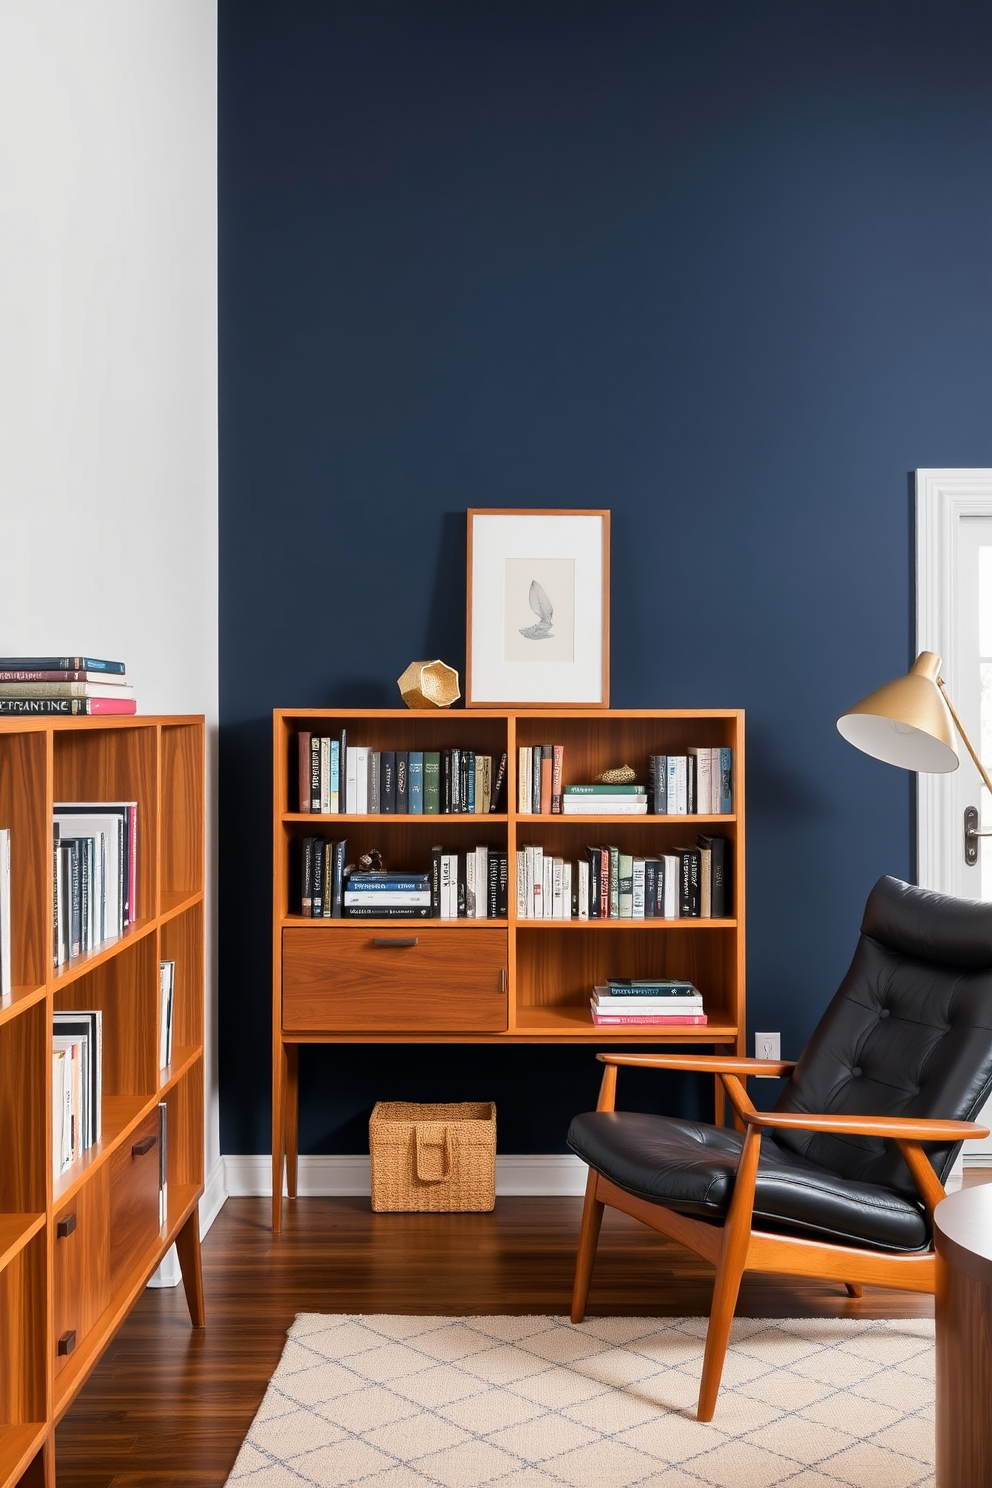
841	1180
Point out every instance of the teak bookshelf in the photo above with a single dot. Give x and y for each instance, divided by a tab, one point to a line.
512	981
76	1250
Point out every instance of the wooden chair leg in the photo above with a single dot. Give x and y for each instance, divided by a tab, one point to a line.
854	1289
730	1269
188	1248
592	1218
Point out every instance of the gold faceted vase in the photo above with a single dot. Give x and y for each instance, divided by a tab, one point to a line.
429	684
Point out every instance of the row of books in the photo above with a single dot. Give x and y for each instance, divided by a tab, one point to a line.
95	874
77	1072
77	1075
697	783
469	884
6	976
650	1003
606	883
63	684
335	776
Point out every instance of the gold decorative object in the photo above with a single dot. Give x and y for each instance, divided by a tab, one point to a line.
429	684
621	775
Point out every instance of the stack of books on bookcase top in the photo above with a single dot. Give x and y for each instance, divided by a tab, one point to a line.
77	1074
652	1003
469	884
338	777
63	684
94	874
608	884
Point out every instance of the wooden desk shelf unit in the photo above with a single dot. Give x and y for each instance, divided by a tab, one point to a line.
77	1249
509	981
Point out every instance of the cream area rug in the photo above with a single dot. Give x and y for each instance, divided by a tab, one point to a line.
535	1402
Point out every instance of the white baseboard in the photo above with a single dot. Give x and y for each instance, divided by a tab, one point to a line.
547	1174
212	1201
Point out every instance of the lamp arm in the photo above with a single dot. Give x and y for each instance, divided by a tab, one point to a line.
964	735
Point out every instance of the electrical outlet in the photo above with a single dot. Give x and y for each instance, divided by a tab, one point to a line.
768	1046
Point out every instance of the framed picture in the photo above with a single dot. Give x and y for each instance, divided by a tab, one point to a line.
538	609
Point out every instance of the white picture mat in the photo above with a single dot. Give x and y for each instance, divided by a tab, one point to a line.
545	538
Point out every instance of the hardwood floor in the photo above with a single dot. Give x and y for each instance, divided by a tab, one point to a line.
167	1406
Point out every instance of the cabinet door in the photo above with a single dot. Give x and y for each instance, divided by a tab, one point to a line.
406	979
81	1264
134	1197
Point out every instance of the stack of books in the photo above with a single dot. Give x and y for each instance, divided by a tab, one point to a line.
387	895
655	1002
598	799
63	684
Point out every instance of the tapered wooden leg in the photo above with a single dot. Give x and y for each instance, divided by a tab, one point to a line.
278	1129
730	1269
592	1218
854	1289
292	1115
188	1249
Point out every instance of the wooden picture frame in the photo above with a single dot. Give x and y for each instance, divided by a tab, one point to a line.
538	608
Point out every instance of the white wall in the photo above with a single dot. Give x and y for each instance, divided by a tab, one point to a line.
108	353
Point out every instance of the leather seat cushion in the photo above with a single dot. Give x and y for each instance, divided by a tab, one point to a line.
690	1167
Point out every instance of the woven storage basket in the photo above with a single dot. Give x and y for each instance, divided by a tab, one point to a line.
433	1157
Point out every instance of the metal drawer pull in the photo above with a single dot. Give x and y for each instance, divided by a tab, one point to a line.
388	942
65	1226
67	1342
138	1149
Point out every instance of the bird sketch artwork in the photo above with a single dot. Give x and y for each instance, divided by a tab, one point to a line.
538	610
545	612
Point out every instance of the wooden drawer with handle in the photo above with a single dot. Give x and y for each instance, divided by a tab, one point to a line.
408	979
134	1186
81	1264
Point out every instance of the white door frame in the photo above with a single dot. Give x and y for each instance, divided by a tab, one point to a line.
944	498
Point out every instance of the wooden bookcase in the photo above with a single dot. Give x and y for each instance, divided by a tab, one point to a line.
76	1250
512	981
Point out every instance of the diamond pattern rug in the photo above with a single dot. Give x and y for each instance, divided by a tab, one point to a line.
535	1402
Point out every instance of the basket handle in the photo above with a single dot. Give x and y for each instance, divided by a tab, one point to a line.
433	1151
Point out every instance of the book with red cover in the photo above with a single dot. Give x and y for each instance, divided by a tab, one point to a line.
21	706
557	769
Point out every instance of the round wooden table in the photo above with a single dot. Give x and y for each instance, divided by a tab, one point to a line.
963	1239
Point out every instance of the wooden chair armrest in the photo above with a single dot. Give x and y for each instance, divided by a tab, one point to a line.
900	1128
711	1064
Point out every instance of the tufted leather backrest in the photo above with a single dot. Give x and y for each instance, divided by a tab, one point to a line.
908	1033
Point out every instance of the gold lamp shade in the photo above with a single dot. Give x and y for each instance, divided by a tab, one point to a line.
907	722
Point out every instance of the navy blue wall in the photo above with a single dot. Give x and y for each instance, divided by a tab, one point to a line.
722	268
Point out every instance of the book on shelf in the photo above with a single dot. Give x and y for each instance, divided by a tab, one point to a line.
6	976
102	689
604	800
91	707
416	788
163	1162
646	1020
432	782
402	782
35	674
59	664
716	850
166	1002
497	797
